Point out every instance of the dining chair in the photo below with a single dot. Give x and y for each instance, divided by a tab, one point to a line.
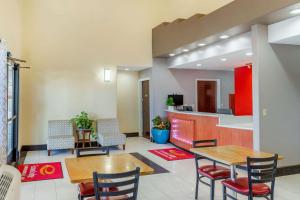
86	189
126	185
212	172
261	174
91	151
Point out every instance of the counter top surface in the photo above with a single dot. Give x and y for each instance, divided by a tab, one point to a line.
227	121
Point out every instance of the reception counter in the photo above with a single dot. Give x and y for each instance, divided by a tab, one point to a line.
227	129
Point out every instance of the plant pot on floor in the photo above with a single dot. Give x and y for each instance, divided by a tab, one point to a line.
160	136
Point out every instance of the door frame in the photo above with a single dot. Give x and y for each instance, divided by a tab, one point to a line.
218	81
13	156
140	81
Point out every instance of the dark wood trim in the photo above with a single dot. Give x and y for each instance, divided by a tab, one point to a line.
288	170
132	134
281	171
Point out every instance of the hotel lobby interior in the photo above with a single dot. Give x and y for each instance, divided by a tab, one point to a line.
149	99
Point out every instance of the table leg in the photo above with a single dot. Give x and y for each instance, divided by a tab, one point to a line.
233	178
83	137
233	172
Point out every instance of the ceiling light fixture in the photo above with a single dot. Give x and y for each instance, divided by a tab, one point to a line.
249	54
199	65
224	36
126	69
295	11
201	45
186	50
172	54
223	59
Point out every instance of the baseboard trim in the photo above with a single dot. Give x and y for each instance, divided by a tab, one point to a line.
288	170
132	134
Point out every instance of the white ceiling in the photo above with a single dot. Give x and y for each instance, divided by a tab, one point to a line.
235	59
290	35
233	49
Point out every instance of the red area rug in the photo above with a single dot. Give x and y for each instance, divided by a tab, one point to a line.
172	154
41	171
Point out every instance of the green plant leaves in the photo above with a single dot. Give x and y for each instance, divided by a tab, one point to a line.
162	124
82	121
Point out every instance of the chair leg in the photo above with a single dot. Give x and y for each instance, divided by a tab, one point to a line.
197	187
124	147
49	152
224	193
212	190
72	151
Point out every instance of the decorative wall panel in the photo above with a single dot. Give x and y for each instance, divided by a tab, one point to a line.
3	103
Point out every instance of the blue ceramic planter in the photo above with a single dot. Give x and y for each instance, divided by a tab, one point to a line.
160	136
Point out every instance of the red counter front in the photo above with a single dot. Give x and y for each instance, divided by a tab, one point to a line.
187	127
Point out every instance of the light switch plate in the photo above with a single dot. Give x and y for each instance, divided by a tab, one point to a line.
265	112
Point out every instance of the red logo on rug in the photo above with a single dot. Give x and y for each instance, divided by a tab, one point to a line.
172	154
41	171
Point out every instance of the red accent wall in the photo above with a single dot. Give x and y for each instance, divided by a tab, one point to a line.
243	90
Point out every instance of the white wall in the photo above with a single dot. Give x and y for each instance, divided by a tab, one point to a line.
276	89
127	99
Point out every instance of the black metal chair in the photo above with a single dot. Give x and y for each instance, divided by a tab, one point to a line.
211	172
260	172
126	185
86	189
79	151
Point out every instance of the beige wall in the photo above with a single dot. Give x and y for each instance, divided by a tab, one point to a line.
60	94
128	106
68	43
11	25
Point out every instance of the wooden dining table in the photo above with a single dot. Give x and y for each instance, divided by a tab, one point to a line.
81	169
231	155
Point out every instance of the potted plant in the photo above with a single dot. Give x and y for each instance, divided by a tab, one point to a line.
170	103
160	131
83	123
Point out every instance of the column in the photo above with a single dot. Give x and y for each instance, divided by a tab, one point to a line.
3	103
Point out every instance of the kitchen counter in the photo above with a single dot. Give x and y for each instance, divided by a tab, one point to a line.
227	121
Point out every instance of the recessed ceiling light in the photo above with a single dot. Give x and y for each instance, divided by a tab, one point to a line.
249	54
295	11
224	36
185	50
201	45
199	65
172	54
126	69
223	59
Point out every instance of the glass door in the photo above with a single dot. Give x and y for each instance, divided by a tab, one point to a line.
13	113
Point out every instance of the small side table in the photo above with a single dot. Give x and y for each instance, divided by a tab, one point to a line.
86	137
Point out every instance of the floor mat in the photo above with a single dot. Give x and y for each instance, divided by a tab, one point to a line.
172	154
41	171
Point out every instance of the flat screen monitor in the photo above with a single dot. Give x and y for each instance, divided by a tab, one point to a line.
178	99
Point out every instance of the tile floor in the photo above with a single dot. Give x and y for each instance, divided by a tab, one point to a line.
179	184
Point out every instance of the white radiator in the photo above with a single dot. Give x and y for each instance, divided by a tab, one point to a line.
10	183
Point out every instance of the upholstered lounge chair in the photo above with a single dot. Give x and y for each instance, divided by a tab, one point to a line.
109	133
60	135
